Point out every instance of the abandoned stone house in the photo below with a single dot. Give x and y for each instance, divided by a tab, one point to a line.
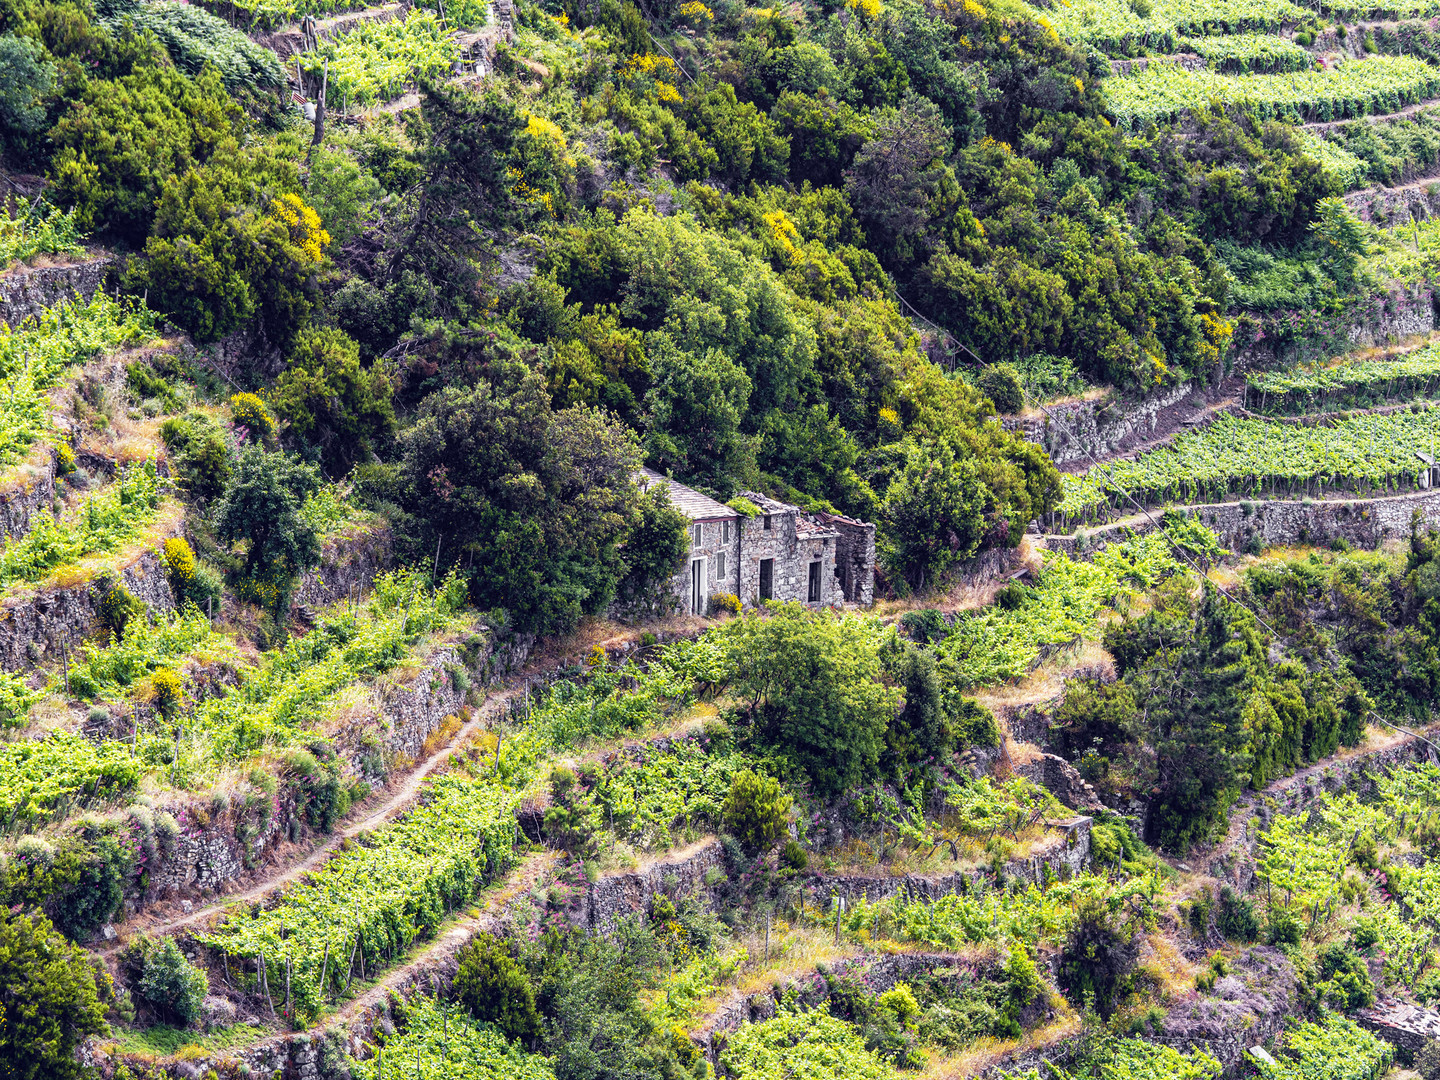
782	553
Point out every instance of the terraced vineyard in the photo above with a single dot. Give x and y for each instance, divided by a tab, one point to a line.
1347	384
376	61
1248	459
1376	84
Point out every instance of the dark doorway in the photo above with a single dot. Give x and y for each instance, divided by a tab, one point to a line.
767	579
814	583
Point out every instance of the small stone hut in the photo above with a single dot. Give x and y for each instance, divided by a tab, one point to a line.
782	553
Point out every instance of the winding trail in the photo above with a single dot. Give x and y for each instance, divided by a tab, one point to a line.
396	801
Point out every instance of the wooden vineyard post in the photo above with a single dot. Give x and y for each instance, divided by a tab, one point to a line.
289	1010
65	655
325	966
767	939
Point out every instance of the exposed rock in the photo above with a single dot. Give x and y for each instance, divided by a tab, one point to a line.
348	564
33	491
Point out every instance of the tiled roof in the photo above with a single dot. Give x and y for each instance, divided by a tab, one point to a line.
688	501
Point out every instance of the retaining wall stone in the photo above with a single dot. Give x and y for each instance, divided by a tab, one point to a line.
33	627
1060	856
25	291
610	899
1240	525
349	562
1097	426
33	491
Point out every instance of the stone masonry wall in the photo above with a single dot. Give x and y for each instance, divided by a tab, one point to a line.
25	292
792	557
33	627
1093	427
34	491
1362	522
1298	794
854	558
210	855
1061	855
610	899
347	562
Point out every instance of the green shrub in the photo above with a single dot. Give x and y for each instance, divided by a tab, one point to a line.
169	983
93	868
116	605
1342	980
1427	1061
198	454
925	627
330	401
755	809
50	1000
1235	916
793	856
1001	384
494	989
125	137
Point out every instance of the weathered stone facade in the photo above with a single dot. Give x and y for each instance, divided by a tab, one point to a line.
25	292
854	557
786	554
823	560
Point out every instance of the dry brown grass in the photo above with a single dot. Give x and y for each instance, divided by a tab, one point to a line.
984	1053
1047	681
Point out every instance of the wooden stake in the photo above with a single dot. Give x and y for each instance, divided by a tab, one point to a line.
350	967
325	966
65	653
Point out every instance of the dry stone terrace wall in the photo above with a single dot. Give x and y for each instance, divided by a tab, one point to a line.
1098	427
25	292
1059	856
216	848
33	627
1234	861
348	564
1361	522
812	991
610	899
32	491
